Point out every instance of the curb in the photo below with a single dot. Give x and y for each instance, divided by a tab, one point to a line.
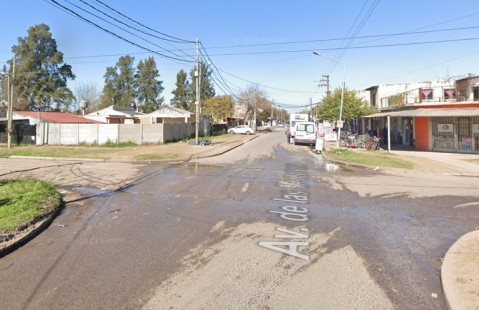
24	238
226	150
348	164
57	158
459	273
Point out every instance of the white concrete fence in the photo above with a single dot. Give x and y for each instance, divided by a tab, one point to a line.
75	134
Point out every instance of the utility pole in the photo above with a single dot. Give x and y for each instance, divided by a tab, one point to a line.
325	83
280	114
10	106
197	100
254	125
311	103
272	112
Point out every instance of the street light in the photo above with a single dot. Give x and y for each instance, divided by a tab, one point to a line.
342	94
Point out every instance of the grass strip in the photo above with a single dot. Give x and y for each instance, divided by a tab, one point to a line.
370	158
25	200
158	156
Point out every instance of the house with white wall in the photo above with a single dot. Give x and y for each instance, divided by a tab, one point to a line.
168	114
116	115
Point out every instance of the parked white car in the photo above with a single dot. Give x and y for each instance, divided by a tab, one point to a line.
242	129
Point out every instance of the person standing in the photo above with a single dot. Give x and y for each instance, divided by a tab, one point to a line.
385	135
288	135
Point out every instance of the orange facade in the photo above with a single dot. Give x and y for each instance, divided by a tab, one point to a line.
421	141
421	124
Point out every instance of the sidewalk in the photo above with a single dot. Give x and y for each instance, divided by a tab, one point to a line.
460	268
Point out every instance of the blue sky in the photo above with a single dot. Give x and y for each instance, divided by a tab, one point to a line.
268	42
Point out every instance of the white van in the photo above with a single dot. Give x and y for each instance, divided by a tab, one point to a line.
295	118
305	133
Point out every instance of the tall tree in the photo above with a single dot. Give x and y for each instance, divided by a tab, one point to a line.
206	87
119	88
148	87
182	96
353	106
40	74
251	102
219	107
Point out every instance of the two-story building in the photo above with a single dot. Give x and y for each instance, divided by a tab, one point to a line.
432	116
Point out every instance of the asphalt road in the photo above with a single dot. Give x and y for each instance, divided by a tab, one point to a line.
268	225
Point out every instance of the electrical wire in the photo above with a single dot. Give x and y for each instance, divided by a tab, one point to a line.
167	40
178	40
352	47
127	31
340	53
394	34
217	70
114	34
270	87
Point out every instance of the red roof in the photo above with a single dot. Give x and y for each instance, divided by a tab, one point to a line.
58	117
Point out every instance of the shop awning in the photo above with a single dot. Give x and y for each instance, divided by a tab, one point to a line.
435	112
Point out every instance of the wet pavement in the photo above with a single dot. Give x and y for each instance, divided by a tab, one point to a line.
189	233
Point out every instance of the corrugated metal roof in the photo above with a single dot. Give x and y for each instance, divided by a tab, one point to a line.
429	113
58	117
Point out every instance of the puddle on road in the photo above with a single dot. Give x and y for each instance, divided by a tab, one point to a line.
331	167
90	191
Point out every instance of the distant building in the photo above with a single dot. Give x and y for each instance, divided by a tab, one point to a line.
116	115
168	114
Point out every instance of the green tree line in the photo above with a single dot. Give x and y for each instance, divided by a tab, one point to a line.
41	75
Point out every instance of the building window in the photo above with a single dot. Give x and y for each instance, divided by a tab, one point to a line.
449	94
426	94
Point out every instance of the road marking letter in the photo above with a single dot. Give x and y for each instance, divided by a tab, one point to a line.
287	247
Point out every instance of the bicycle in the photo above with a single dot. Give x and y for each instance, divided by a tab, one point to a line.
348	140
373	143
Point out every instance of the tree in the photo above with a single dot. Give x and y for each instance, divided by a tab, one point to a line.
182	97
40	74
353	107
219	107
119	86
148	88
252	102
88	92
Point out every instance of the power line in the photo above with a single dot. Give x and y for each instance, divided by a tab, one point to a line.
167	40
127	31
340	53
352	47
178	40
115	34
123	23
270	87
350	37
219	73
394	34
298	42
